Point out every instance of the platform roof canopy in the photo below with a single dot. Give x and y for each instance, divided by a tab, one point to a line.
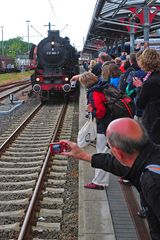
112	19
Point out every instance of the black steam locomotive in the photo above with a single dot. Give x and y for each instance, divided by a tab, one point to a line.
56	62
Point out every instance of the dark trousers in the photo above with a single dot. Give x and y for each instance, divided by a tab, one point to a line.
154	224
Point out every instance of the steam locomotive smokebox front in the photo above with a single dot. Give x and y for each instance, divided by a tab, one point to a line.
52	51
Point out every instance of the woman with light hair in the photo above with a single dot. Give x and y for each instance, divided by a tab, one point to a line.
96	106
149	97
87	79
118	61
91	65
105	71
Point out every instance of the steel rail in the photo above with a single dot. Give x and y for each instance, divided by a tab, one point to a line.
16	132
14	91
12	85
27	223
14	82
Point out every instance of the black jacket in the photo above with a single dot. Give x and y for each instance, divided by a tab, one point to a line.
149	101
123	78
144	180
97	69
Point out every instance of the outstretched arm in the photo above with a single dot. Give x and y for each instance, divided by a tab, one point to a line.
76	152
75	78
104	161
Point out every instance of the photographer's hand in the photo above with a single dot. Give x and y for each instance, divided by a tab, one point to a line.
76	152
137	82
75	78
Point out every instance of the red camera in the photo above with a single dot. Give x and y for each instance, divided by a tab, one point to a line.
58	147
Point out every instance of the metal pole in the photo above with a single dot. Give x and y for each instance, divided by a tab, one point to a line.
28	21
2	41
146	26
116	47
132	36
122	45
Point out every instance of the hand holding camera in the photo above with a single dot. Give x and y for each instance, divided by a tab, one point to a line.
69	149
59	147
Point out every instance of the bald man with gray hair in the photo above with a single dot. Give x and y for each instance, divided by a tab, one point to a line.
133	157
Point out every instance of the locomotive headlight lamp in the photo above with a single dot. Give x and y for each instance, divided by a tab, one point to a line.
66	79
37	79
52	43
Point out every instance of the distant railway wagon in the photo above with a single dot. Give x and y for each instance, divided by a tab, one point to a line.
7	64
24	63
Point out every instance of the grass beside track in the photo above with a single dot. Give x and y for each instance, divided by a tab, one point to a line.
11	77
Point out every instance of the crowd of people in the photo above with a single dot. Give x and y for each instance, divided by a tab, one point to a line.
126	147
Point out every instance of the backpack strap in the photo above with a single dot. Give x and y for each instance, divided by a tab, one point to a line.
153	168
91	101
128	108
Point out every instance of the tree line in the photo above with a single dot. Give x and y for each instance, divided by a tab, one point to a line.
14	47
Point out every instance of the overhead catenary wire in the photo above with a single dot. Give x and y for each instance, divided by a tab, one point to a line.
37	31
53	11
54	14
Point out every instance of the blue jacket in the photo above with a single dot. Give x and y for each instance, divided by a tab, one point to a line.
115	81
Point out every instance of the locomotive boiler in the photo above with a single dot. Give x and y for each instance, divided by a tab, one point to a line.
56	62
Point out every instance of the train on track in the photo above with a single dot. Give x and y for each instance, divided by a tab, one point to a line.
56	62
7	64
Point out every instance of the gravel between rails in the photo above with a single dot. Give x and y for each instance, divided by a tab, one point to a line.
19	113
70	211
69	230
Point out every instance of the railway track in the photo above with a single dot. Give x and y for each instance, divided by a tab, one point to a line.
12	88
24	158
20	167
7	86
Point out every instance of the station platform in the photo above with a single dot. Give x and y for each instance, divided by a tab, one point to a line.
103	214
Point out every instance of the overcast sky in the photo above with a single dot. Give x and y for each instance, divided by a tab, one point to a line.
71	17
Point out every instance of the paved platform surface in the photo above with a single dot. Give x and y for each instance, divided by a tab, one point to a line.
103	214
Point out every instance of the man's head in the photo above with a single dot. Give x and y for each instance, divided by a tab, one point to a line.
118	61
103	57
132	59
127	138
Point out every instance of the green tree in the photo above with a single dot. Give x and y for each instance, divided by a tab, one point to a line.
14	46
